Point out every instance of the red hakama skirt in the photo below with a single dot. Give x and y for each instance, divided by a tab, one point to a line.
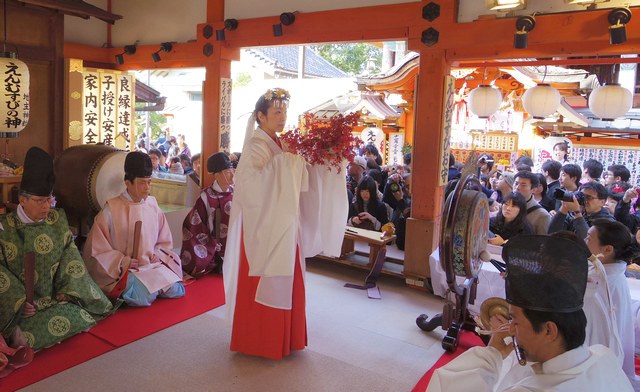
262	330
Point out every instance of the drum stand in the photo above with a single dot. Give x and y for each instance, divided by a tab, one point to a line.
455	316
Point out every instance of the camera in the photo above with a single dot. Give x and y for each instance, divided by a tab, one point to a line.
394	187
568	196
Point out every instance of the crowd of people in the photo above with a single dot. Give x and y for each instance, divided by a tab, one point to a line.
568	234
594	207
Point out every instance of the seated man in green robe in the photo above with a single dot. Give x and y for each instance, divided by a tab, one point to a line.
63	299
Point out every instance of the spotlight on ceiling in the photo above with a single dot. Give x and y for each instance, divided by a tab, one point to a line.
505	5
229	24
524	25
618	18
164	47
287	18
128	49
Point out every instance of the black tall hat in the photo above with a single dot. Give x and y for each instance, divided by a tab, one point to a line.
37	178
218	162
137	164
545	273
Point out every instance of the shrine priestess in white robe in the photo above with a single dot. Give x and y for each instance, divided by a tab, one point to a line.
299	205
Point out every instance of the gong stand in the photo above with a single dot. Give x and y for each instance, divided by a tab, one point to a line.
455	316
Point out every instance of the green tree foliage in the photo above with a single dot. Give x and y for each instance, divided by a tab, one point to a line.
157	122
351	58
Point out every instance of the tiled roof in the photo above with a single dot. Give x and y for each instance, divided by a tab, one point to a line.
286	58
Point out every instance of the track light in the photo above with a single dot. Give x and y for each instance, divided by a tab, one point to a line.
128	49
618	18
524	25
286	18
229	24
164	47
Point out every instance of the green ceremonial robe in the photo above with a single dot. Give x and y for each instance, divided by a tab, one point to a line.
59	269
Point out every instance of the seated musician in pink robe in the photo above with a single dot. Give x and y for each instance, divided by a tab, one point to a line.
137	266
204	230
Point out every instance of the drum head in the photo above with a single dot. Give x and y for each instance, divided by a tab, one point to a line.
465	225
109	178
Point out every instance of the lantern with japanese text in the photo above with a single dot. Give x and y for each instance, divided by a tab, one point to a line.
14	106
375	136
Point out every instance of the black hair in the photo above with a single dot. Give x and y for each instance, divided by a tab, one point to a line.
598	188
367	183
542	181
523	167
452	160
407	158
529	175
519	225
156	152
195	157
573	170
571	326
488	159
263	104
552	168
376	175
620	171
373	150
185	158
524	160
594	167
619	236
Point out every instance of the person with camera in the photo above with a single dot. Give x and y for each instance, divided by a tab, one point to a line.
622	214
570	175
577	210
402	211
537	216
387	195
367	212
551	171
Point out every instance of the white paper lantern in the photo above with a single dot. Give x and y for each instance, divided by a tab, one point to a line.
541	101
14	96
610	101
484	100
375	136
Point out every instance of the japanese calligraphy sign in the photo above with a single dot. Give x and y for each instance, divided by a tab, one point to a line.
395	156
125	99
14	104
375	136
225	114
106	113
447	114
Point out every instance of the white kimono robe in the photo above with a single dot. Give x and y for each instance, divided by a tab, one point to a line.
582	369
109	247
280	203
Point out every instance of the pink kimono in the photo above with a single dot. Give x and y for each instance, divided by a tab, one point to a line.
109	247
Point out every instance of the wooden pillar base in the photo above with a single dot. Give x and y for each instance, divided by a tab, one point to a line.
422	239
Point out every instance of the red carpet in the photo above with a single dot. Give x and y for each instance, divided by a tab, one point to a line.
131	324
125	326
467	340
75	350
